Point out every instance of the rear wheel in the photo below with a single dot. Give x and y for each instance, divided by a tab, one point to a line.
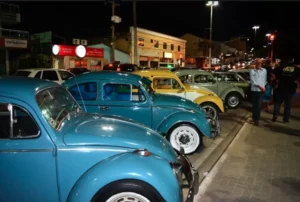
185	136
127	190
211	110
233	100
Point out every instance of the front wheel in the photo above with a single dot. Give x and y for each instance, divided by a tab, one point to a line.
233	100
187	137
211	110
127	190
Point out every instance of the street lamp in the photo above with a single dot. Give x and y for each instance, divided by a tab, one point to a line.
256	27
211	4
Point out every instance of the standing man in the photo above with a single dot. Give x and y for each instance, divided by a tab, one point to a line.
286	76
258	79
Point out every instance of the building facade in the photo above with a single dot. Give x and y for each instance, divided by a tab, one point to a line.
153	49
197	50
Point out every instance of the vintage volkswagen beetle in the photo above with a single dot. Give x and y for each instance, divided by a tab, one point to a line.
50	150
232	94
131	96
166	82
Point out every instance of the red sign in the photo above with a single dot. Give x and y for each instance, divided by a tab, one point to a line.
94	52
70	51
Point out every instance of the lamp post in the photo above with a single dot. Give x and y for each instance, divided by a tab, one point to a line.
211	4
256	27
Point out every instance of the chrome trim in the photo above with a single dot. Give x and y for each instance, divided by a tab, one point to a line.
24	150
92	149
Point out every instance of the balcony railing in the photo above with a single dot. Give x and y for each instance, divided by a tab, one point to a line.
9	14
14	34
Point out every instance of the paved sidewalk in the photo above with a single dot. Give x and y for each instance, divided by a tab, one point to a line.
261	164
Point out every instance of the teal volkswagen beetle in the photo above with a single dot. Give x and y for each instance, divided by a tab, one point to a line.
131	96
52	151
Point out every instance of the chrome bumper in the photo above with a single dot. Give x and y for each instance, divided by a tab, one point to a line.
191	175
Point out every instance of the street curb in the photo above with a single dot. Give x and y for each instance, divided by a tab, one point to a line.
215	155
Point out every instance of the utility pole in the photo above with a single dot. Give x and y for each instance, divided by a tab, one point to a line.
114	19
135	54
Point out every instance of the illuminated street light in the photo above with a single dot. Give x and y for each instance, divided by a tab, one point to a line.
267	35
256	27
211	4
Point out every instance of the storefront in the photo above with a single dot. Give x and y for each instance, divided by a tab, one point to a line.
65	57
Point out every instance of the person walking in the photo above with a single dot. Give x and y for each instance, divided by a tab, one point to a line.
258	79
286	76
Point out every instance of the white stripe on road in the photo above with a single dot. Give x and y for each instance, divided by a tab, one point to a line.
212	174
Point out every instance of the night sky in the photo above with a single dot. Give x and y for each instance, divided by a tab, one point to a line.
90	19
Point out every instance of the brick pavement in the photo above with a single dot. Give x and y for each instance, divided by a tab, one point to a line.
262	164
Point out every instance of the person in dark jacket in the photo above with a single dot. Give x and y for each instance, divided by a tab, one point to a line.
286	76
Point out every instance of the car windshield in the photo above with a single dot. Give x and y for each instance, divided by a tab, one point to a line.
22	73
56	104
147	85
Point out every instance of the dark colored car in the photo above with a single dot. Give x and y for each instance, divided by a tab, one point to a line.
78	70
121	67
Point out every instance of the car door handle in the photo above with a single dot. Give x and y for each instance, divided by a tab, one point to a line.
103	108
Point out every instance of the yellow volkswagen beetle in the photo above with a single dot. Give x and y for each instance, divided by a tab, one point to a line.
166	82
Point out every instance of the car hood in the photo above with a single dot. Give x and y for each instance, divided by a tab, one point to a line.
174	102
93	129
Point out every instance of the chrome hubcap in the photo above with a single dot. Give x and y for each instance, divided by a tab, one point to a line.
127	197
233	101
210	111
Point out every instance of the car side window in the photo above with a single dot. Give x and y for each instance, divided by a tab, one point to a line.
38	75
203	78
65	75
16	122
84	91
165	83
50	75
122	92
186	79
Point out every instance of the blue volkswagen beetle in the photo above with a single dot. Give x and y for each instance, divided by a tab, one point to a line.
131	96
50	150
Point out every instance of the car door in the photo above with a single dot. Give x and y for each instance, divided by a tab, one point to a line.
125	100
86	94
170	86
51	75
207	81
27	155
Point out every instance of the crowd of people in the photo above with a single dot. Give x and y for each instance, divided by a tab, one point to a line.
272	85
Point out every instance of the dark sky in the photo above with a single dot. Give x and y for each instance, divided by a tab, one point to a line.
89	19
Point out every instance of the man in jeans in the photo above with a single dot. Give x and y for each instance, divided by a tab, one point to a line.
287	76
258	79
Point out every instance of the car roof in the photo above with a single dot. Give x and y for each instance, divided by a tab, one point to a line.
23	87
101	75
192	71
155	72
39	69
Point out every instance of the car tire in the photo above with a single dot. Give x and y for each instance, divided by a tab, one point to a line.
233	100
127	190
181	133
211	109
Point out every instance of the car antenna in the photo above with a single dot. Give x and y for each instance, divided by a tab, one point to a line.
80	94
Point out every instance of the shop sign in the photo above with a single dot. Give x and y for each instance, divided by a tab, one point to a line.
148	52
168	55
15	43
64	50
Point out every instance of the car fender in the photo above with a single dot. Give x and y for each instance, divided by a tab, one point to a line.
232	89
151	169
199	121
212	99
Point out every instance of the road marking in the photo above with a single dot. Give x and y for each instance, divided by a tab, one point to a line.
212	174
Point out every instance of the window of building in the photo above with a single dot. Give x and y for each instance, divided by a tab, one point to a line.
122	92
140	42
172	47
165	83
165	45
84	91
50	75
65	75
156	44
151	40
15	122
179	48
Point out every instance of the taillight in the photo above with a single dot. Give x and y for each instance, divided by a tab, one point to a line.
118	69
110	65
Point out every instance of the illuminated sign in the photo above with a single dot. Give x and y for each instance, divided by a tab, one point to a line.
168	55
